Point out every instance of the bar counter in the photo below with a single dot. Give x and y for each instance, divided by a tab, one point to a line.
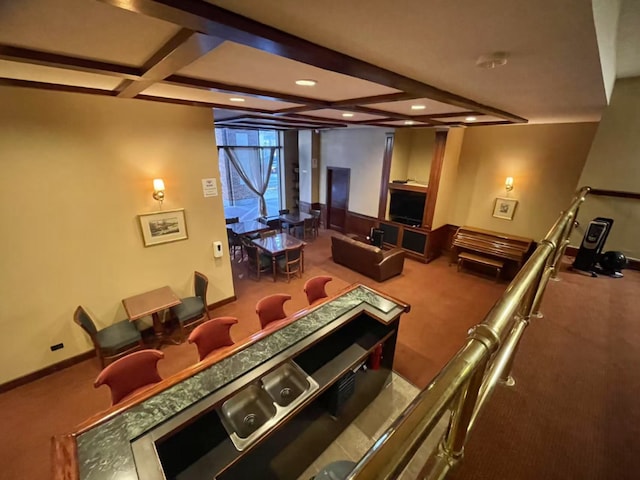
101	447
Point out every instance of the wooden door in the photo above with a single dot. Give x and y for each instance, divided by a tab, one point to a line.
337	197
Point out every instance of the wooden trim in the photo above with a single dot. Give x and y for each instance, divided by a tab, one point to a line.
182	49
47	59
43	372
213	20
303	108
388	97
359	224
614	193
434	178
437	242
452	114
407	187
64	458
386	172
330	171
282	119
220	303
12	82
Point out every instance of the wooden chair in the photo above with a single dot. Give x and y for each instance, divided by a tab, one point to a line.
113	341
233	239
309	228
212	335
317	217
131	374
257	262
290	263
271	308
315	288
194	308
284	225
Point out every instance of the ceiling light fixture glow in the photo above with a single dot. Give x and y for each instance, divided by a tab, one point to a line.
347	114
470	119
409	122
418	107
492	60
306	82
236	99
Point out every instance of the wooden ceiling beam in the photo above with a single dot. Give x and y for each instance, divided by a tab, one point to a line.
210	19
182	49
303	108
389	97
290	120
24	55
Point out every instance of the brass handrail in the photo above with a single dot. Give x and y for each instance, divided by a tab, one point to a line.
467	381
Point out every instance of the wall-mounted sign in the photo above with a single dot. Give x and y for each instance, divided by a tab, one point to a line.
209	187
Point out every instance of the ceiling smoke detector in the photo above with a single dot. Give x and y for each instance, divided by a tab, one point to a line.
492	60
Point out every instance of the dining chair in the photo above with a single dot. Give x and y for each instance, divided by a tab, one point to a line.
131	374
233	239
290	263
257	261
212	335
193	308
309	228
317	214
271	308
113	341
315	288
284	225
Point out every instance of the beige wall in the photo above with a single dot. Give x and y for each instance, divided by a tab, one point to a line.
76	171
412	154
614	164
306	172
447	188
361	150
545	161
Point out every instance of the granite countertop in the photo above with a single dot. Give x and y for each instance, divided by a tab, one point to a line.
104	452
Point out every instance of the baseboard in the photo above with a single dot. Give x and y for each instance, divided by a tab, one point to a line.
30	377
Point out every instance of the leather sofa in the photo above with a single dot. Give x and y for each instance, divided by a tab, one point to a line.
367	259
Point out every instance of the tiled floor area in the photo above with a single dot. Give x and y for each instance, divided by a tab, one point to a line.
358	437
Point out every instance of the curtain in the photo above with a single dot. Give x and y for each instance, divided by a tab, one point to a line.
254	168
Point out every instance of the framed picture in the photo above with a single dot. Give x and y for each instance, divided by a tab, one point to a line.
163	227
504	208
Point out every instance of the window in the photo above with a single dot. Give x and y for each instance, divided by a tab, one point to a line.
252	149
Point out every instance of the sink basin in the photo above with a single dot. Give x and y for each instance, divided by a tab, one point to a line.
257	408
247	411
285	384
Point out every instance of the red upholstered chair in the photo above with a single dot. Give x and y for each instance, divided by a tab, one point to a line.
271	308
131	374
314	288
212	335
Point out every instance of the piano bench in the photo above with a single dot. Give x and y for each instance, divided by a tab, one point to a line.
480	260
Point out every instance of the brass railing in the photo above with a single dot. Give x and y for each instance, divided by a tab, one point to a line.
466	383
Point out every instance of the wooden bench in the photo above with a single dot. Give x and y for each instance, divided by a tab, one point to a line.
489	248
472	257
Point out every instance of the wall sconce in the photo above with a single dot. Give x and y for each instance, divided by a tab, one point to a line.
508	184
158	190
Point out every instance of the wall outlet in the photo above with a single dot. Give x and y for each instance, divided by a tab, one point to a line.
57	346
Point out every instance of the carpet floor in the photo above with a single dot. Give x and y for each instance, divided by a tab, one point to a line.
582	352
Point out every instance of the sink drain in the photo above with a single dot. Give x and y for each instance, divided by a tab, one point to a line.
249	419
285	392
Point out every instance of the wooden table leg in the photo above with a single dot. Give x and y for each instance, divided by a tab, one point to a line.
273	263
158	328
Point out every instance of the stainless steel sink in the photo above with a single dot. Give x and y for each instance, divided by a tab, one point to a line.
247	411
255	409
285	384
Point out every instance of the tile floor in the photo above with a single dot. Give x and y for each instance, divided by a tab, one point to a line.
358	437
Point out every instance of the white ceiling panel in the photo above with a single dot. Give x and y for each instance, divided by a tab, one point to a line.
199	95
38	73
404	107
237	64
83	28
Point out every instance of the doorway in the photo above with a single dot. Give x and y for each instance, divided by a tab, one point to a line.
337	197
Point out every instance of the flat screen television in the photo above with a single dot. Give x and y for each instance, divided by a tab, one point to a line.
407	207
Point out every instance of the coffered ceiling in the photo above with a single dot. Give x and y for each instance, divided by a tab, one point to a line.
403	63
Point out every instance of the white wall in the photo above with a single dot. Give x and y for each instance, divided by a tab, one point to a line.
76	172
361	150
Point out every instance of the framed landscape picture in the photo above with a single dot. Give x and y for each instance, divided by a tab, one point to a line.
504	208
163	227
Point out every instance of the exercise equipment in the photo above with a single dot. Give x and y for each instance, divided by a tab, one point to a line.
591	246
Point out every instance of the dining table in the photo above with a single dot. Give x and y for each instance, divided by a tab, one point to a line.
152	303
294	219
248	227
276	245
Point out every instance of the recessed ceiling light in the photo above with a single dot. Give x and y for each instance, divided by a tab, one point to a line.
347	114
418	107
236	99
470	119
409	122
306	82
492	60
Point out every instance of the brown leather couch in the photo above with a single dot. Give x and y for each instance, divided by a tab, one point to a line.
367	259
